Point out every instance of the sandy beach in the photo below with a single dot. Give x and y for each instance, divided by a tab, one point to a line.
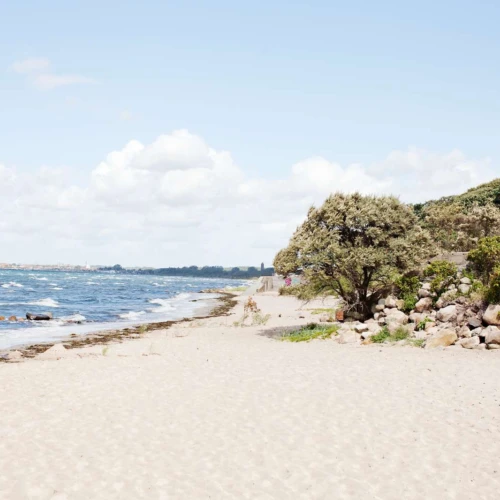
210	410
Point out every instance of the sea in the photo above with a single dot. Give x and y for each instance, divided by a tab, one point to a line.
84	302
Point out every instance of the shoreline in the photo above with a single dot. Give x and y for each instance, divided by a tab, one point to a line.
113	335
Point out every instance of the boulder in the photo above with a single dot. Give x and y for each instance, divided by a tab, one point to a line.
469	343
423	293
2	318
379	307
396	319
464	289
480	347
426	286
477	332
348	337
361	328
424	304
491	335
493	346
474	322
416	317
39	317
429	325
390	302
443	338
492	315
400	303
464	332
12	318
465	281
447	314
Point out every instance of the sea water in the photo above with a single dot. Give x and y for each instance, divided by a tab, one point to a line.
82	302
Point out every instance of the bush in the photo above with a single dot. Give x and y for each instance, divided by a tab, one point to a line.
385	336
485	258
310	332
492	291
444	273
408	287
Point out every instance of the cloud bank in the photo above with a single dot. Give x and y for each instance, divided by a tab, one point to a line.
177	201
38	71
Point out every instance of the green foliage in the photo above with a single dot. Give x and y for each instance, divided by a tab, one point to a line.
421	324
408	287
310	332
485	257
353	245
492	291
443	274
385	336
417	342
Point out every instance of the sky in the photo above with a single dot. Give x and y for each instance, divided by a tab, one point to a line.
199	133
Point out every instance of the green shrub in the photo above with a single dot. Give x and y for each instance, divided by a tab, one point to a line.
421	324
385	336
408	287
381	337
310	332
485	258
443	274
400	334
492	291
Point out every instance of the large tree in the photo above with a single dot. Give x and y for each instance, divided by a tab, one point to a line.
356	246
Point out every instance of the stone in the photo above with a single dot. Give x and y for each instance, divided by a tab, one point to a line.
464	332
376	316
421	334
491	335
440	303
371	332
452	287
423	293
396	319
2	318
57	351
477	332
469	343
326	319
480	347
390	302
447	314
474	322
348	337
424	304
416	317
429	325
12	318
381	302
465	281
400	304
426	286
492	315
465	289
493	346
443	338
379	307
361	328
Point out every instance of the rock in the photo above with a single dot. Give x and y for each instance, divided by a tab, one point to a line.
2	318
376	316
426	286
424	304
12	318
416	317
396	319
374	329
492	315
447	314
390	302
477	332
39	317
469	343
400	304
381	302
348	337
421	334
464	332
474	322
465	289
465	281
493	346
57	351
379	307
440	303
491	335
326	319
443	338
361	328
429	325
423	293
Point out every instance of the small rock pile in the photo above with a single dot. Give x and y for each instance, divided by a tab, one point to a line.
451	319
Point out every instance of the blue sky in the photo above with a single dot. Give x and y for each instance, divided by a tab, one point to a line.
274	83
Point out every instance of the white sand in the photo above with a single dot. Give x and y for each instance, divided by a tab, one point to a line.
210	411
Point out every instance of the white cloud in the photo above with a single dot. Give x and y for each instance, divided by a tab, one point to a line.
177	201
38	72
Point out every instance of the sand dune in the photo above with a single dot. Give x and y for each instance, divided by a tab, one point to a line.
207	410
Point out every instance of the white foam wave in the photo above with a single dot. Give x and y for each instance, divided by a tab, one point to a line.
48	302
57	288
74	318
40	279
132	315
12	284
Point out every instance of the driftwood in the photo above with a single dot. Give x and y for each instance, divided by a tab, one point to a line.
39	317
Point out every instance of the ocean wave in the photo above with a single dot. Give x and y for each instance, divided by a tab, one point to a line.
40	279
57	288
132	315
12	284
74	318
92	283
48	302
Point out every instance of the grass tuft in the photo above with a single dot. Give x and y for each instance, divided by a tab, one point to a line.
310	332
385	336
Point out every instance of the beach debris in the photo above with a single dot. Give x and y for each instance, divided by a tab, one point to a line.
39	317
